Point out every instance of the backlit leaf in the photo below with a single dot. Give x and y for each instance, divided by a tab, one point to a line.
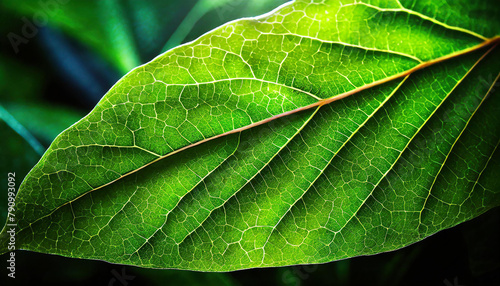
320	131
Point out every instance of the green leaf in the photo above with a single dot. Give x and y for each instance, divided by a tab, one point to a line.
314	133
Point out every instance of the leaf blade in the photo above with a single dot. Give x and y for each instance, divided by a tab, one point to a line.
234	201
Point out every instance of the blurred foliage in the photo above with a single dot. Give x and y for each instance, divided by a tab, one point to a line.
52	120
27	80
130	32
16	156
46	87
